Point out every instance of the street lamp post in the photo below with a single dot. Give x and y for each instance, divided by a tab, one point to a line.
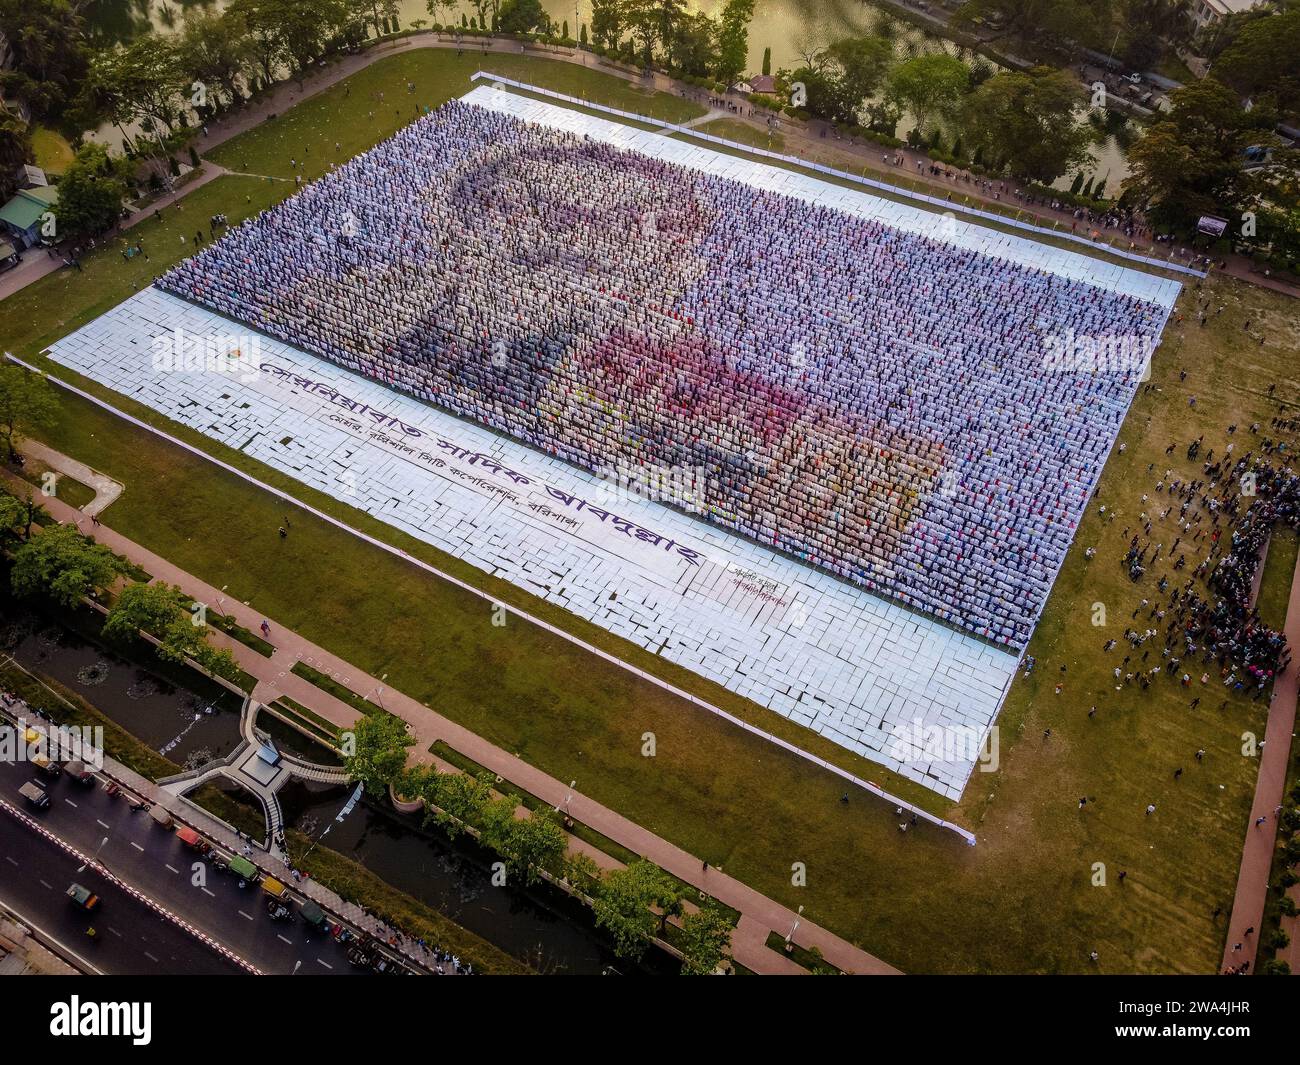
793	928
94	857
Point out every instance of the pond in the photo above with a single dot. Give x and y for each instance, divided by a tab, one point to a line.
190	722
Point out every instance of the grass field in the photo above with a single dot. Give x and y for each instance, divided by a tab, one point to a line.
1022	900
742	132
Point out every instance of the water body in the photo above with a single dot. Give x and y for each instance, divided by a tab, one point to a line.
791	28
199	721
541	925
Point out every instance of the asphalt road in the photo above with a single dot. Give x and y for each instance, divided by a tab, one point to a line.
153	861
132	939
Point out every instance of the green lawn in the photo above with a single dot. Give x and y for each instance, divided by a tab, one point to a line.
1279	569
65	488
53	152
734	130
1021	900
351	114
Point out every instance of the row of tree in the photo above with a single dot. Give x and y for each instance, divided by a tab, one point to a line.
633	904
669	33
1024	123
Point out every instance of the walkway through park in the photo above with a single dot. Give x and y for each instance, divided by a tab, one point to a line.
759	914
1261	836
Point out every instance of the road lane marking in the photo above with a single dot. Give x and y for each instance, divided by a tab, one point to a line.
152	958
289	941
116	932
170	869
71	803
325	963
207	892
11	861
137	846
103	824
50	886
245	915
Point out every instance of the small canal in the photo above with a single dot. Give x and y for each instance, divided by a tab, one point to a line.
191	720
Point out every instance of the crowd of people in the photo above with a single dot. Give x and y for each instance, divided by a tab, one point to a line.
1223	528
873	402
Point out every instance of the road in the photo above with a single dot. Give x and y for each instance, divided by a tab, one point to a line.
133	940
34	873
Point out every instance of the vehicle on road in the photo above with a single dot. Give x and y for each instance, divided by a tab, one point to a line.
82	897
279	909
241	867
161	816
1132	79
192	839
47	765
313	916
78	772
34	794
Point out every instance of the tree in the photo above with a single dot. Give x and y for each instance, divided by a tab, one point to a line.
690	47
91	193
48	53
929	86
767	61
63	564
379	743
1262	59
622	904
733	39
167	614
456	799
1026	122
861	64
140	83
529	844
705	940
607	22
26	402
434	6
217	52
1189	162
17	515
522	16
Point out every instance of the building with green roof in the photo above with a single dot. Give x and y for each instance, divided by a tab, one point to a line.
21	216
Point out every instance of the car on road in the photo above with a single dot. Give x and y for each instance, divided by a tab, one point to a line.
34	794
78	772
1132	79
82	897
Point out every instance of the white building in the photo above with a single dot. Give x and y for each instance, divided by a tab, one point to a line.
1208	12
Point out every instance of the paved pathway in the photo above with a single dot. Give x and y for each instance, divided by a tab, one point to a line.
106	489
1257	853
275	674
